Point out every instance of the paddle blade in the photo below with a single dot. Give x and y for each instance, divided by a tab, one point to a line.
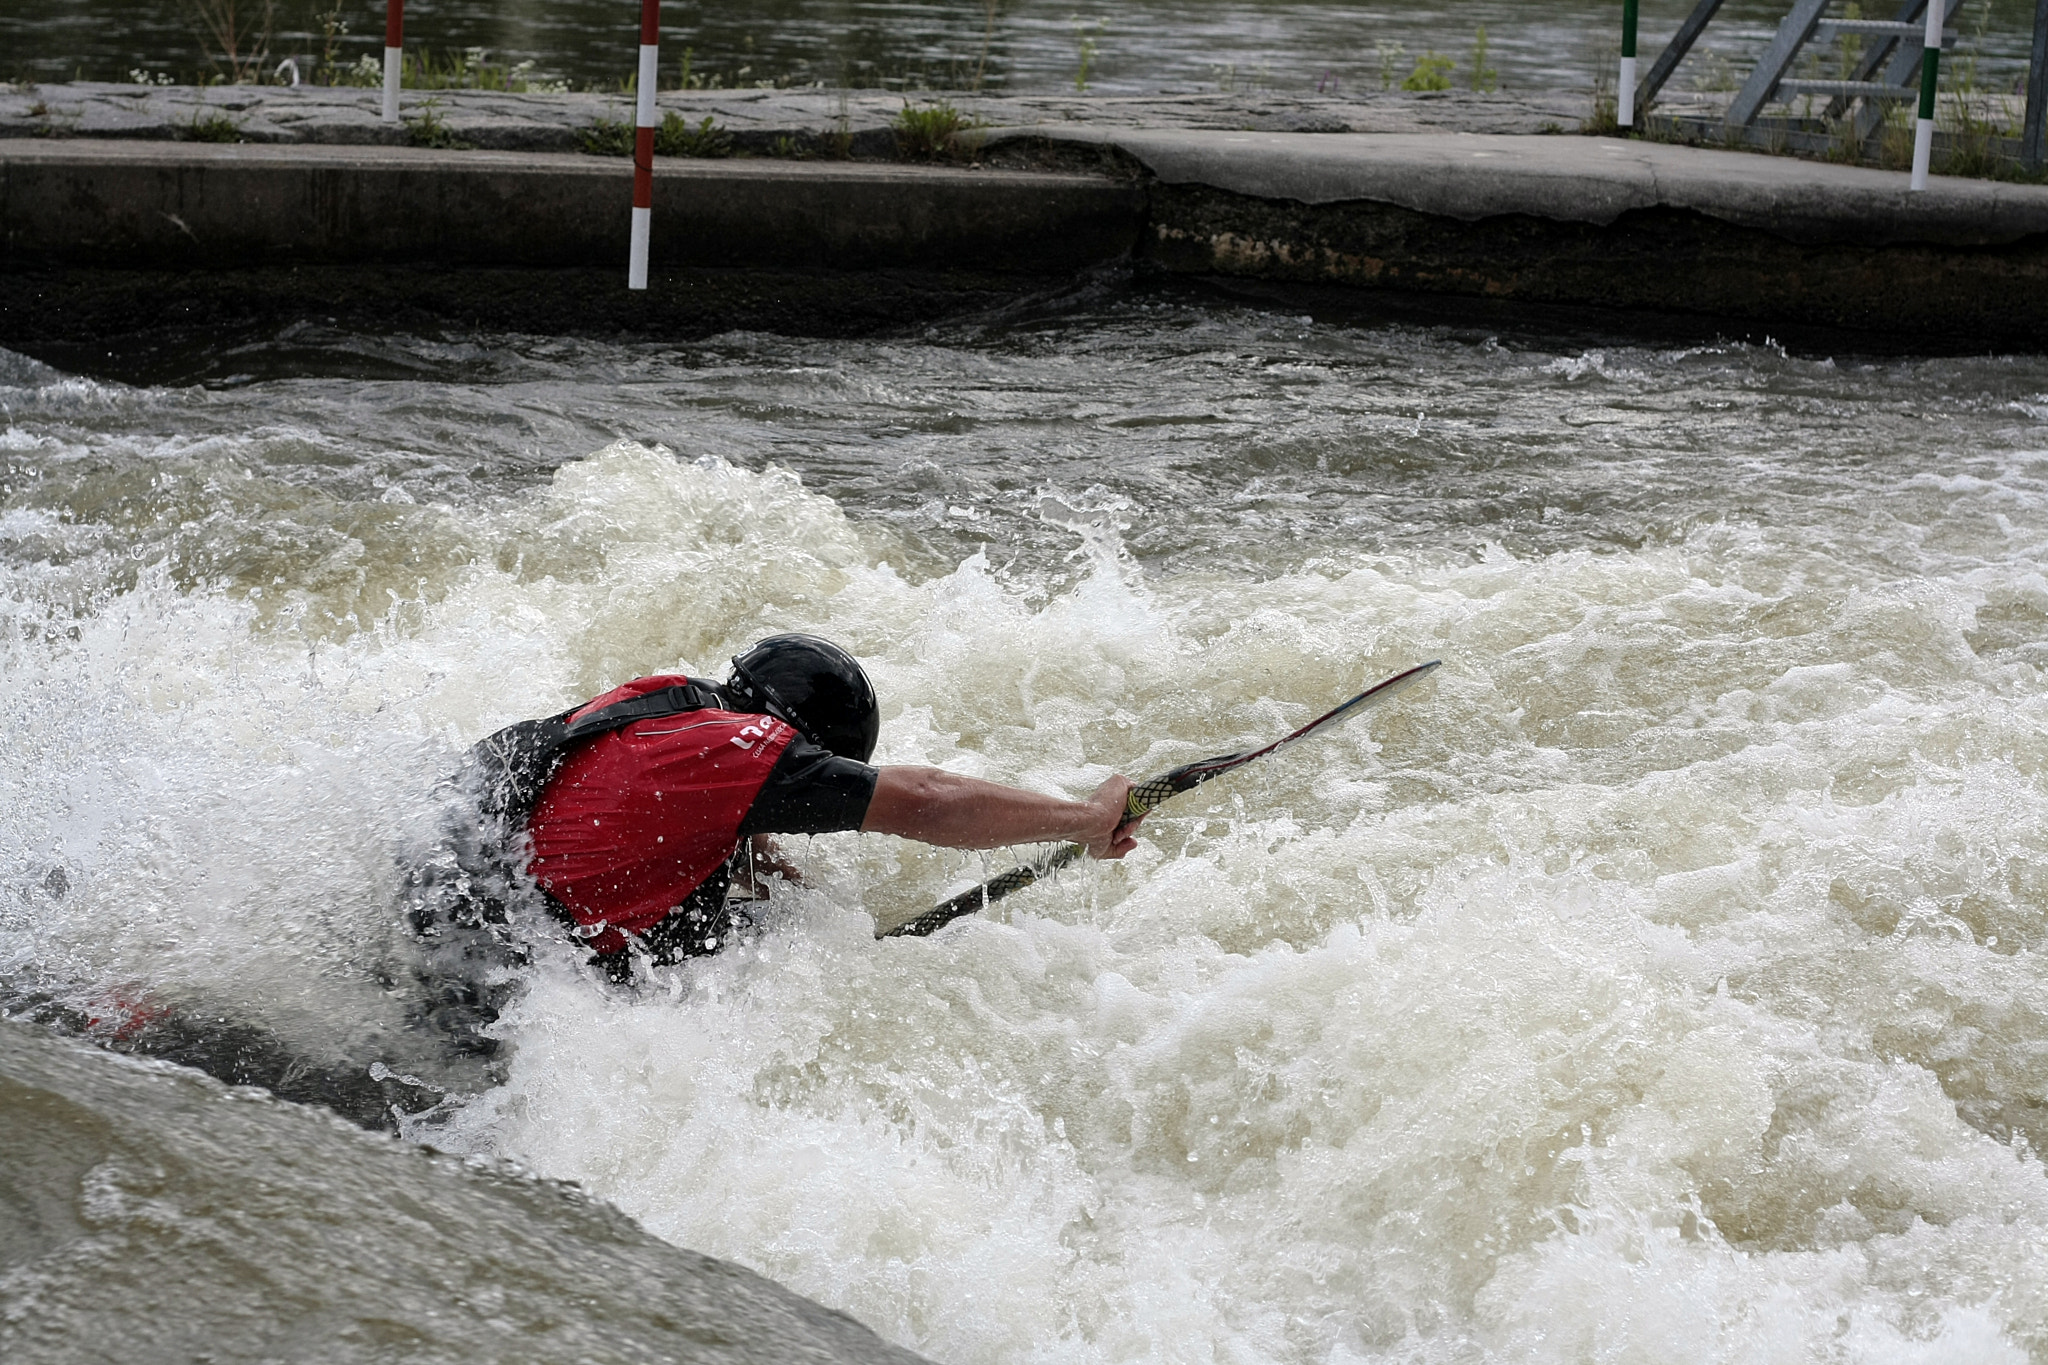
1194	774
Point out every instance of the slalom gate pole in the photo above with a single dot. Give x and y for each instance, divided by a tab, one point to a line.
643	142
394	55
1625	93
1930	64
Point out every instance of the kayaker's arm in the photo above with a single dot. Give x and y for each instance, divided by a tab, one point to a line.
937	807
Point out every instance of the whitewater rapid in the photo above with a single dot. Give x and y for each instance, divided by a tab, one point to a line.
1659	982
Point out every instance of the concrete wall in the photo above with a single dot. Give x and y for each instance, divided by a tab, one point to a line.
187	206
104	235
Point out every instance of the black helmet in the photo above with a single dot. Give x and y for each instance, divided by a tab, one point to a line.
815	686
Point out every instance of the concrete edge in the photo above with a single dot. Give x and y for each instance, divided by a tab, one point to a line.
1474	176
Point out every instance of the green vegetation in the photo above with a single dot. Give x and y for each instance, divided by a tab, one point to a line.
423	69
1972	122
1432	72
1603	120
1084	34
676	136
235	35
988	36
210	125
933	132
679	137
839	142
1389	54
427	129
332	28
1484	77
607	137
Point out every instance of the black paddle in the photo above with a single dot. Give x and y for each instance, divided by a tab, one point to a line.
1144	797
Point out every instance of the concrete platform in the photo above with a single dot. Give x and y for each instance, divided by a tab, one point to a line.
756	120
1734	241
1567	179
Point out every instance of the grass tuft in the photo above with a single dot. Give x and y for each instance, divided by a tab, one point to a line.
428	129
1432	72
1484	78
677	136
210	125
607	137
934	132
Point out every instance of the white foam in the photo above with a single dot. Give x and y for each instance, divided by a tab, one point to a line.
1660	983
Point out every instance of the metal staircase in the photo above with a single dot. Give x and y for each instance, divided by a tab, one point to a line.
1893	45
1885	70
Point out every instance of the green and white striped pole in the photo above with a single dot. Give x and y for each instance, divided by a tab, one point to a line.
1625	93
1930	64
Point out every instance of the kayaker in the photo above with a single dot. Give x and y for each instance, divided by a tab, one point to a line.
634	811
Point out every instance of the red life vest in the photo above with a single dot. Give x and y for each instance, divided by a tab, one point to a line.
636	818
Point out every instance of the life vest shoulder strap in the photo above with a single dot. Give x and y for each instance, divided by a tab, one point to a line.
669	701
511	767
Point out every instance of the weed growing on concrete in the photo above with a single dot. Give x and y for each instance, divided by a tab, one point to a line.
677	136
1432	72
1842	148
1604	121
607	137
235	35
1972	125
988	36
1084	35
1894	138
1712	71
469	69
1848	46
839	142
1484	77
428	129
210	125
932	132
332	29
788	148
1388	54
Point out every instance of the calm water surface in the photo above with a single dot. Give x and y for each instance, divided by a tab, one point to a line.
1663	982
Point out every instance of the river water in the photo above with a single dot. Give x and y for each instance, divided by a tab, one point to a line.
999	45
1660	982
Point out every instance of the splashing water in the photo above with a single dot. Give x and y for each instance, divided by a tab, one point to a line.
1662	982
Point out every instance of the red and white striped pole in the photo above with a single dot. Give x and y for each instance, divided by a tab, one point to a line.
643	142
394	55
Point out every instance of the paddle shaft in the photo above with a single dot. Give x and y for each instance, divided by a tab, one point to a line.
1144	797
